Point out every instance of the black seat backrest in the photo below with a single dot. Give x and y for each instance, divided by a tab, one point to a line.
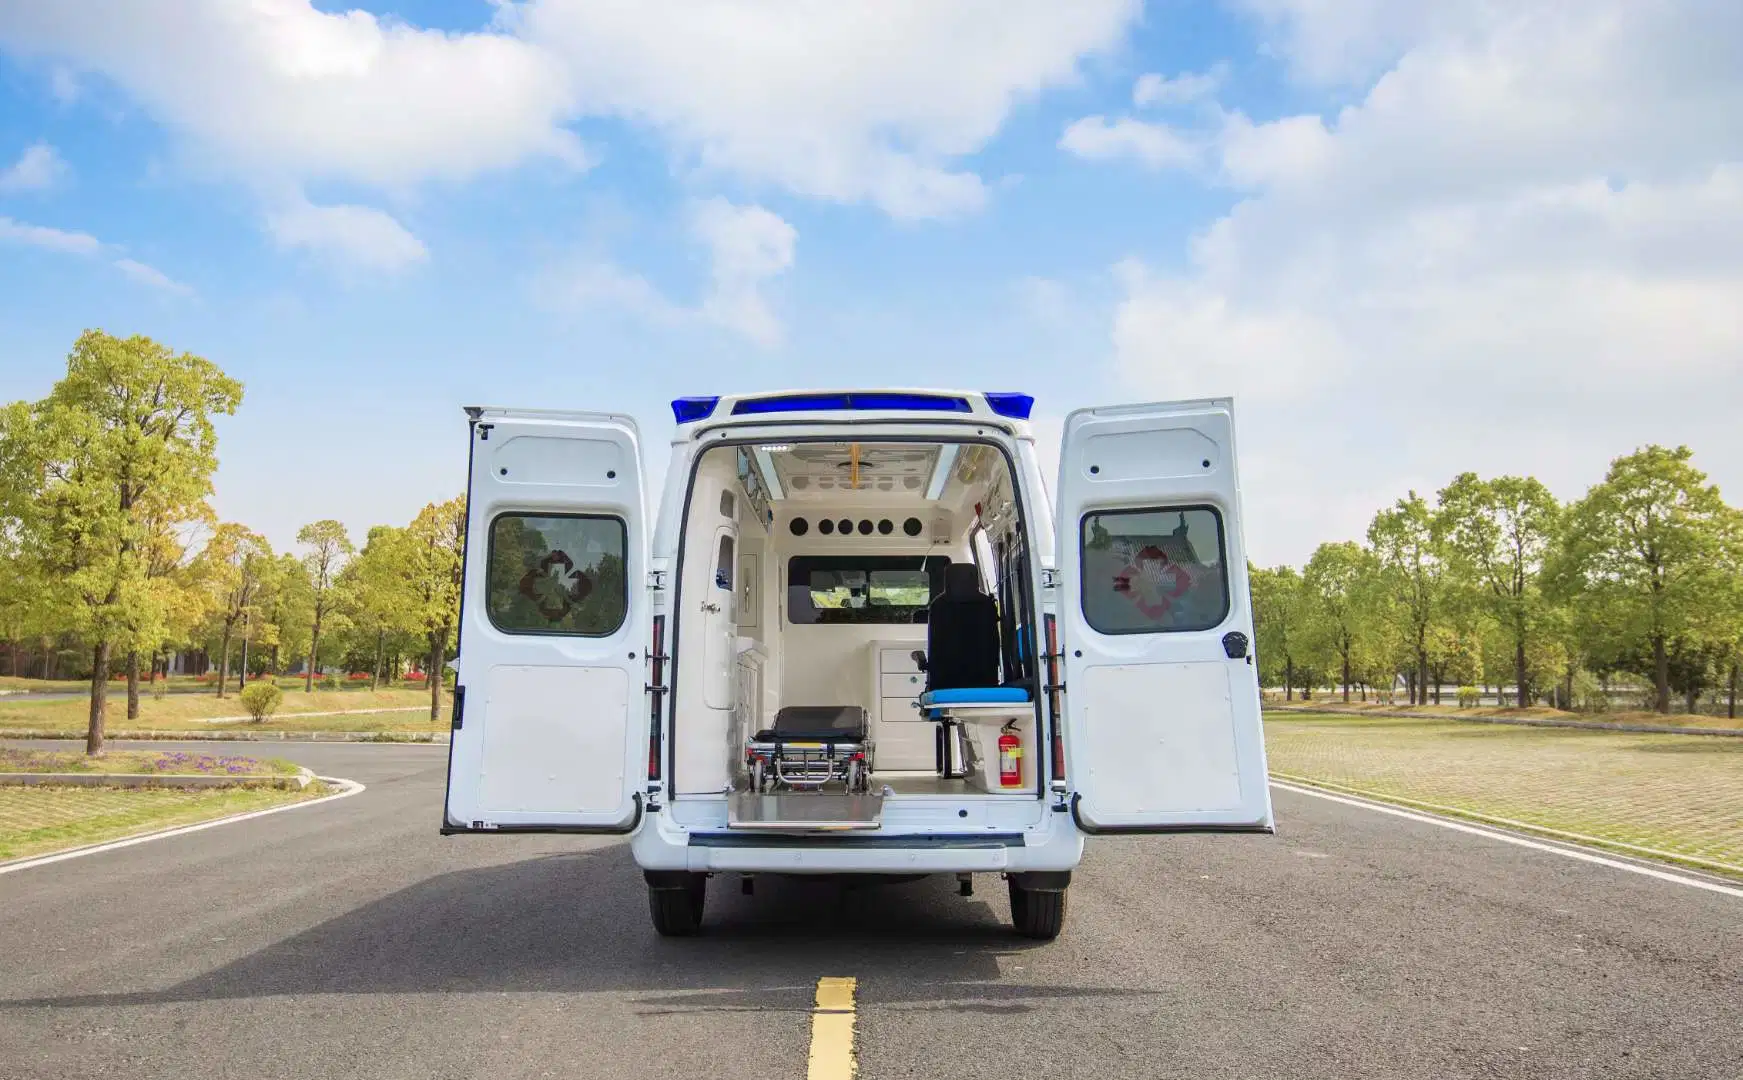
962	633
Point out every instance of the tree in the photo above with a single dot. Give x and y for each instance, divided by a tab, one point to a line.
434	546
327	550
237	563
1404	540
376	595
125	436
1333	580
1279	616
1652	545
1500	531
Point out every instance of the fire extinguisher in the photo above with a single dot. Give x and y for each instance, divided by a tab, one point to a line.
1010	758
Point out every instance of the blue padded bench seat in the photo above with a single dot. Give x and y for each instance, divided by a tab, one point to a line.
986	695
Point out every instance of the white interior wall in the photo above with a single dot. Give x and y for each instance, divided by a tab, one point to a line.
700	733
800	665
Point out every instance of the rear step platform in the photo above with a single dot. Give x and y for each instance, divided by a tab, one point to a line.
804	811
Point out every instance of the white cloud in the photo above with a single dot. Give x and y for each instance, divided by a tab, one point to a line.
64	85
37	169
1520	250
1157	91
1157	146
747	247
85	245
276	86
359	236
151	275
41	236
851	101
873	101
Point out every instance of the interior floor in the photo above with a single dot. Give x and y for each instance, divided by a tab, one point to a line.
923	784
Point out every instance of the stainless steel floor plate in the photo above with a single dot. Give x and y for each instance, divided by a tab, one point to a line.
803	811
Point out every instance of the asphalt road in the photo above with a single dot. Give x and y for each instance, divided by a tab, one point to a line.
350	940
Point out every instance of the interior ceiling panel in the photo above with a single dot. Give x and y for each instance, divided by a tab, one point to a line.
824	470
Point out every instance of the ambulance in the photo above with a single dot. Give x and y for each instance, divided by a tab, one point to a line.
856	636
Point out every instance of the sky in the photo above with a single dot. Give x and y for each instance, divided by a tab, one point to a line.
1410	240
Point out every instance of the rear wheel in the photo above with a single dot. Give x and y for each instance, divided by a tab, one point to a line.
677	912
1036	914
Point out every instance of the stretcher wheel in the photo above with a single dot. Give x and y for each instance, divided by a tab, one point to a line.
758	781
858	781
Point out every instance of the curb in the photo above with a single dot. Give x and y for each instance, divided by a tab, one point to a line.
298	782
1517	721
347	788
235	736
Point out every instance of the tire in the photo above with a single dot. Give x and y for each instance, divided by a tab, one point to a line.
678	912
758	782
1037	915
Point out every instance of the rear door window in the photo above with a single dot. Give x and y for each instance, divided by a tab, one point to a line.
1154	570
557	574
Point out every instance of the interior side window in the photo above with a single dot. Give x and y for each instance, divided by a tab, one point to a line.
1154	570
723	568
557	574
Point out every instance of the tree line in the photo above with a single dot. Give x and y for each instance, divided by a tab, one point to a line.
1498	583
109	544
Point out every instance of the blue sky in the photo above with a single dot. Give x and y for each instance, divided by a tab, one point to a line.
1379	231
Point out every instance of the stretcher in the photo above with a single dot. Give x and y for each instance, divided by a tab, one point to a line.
810	746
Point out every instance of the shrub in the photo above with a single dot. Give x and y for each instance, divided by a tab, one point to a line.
261	699
327	682
1589	693
1468	697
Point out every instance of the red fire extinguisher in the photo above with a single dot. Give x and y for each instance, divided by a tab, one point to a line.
1010	759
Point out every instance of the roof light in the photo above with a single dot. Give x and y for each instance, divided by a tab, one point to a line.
690	409
1015	406
771	479
852	401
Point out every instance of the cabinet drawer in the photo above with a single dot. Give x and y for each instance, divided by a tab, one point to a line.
908	686
894	660
901	711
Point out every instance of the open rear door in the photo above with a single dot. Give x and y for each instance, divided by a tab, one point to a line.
1162	698
550	718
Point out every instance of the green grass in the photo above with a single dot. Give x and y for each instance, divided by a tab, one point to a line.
184	712
15	760
1680	795
40	820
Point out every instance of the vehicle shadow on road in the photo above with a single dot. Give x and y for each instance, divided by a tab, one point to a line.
578	923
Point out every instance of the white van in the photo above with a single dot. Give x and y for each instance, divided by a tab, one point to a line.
666	676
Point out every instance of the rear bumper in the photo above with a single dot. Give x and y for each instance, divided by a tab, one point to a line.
1055	846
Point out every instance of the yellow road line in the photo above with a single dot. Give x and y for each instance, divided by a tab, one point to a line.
832	1031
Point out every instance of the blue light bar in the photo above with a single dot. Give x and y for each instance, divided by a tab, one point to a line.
689	409
1015	406
864	402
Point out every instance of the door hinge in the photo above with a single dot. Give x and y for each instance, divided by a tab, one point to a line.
656	579
1049	578
459	707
